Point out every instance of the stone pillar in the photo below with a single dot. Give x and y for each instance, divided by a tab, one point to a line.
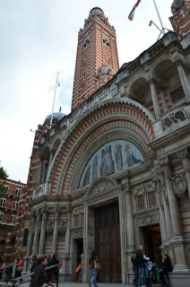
55	233
36	235
30	240
163	99
162	190
41	170
163	228
177	241
155	100
50	160
184	81
42	233
184	155
67	269
86	251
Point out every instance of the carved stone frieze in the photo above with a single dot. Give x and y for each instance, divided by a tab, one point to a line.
174	118
147	219
49	227
179	185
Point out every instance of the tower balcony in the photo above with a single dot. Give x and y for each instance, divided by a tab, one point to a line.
40	190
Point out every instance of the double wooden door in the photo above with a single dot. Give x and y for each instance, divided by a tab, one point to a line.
108	243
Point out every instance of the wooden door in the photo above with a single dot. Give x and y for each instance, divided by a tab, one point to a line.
108	243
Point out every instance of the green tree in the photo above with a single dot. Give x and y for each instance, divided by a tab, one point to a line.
3	177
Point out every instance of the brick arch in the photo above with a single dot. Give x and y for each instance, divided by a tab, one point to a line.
130	118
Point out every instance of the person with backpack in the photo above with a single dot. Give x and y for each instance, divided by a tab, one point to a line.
135	269
140	261
166	268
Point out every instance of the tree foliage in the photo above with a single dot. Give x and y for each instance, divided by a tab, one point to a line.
3	177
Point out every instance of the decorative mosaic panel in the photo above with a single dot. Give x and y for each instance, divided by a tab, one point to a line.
177	95
109	159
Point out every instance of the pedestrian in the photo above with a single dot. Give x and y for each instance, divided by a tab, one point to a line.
55	270
48	271
1	270
19	267
40	276
94	266
33	265
135	269
166	268
8	272
140	261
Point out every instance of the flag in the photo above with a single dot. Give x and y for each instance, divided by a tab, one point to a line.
131	15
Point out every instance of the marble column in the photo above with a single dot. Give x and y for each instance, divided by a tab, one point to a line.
42	233
163	99
177	240
30	241
130	221
185	156
86	251
67	268
162	190
36	235
184	81
55	233
155	101
163	229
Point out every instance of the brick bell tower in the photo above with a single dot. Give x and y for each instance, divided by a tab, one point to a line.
97	56
181	16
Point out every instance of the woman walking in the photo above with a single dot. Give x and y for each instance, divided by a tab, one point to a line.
94	266
40	276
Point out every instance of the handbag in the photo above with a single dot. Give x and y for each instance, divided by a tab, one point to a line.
97	265
20	268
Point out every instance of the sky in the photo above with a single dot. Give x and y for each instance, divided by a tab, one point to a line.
39	38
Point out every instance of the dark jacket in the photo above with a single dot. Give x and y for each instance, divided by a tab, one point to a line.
140	261
39	277
33	267
167	266
91	262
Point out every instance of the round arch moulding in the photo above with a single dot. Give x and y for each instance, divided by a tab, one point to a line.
124	116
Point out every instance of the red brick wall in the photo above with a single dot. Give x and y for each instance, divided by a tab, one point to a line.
181	18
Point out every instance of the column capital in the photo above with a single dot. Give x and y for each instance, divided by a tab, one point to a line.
125	187
184	153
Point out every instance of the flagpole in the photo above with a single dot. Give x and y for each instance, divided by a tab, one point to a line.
160	19
55	89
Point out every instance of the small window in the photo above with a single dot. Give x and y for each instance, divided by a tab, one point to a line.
13	217
25	237
83	99
15	205
1	217
107	56
141	202
7	187
84	76
177	95
3	201
18	191
152	199
84	58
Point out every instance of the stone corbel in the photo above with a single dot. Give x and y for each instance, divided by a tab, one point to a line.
179	185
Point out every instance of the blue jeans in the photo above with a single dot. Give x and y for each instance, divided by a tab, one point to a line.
94	275
142	276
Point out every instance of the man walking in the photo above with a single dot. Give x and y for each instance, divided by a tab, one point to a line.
140	261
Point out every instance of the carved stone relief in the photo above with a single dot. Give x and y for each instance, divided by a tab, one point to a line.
179	185
49	227
174	118
62	227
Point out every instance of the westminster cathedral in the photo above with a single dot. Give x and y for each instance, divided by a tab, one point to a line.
115	172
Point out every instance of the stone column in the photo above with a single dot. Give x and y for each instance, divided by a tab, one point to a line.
30	239
85	268
184	81
173	204
50	160
162	190
155	99
177	241
184	155
36	235
41	171
66	266
55	233
42	233
163	228
163	99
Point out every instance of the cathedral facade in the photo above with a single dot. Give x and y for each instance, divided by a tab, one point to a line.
115	172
